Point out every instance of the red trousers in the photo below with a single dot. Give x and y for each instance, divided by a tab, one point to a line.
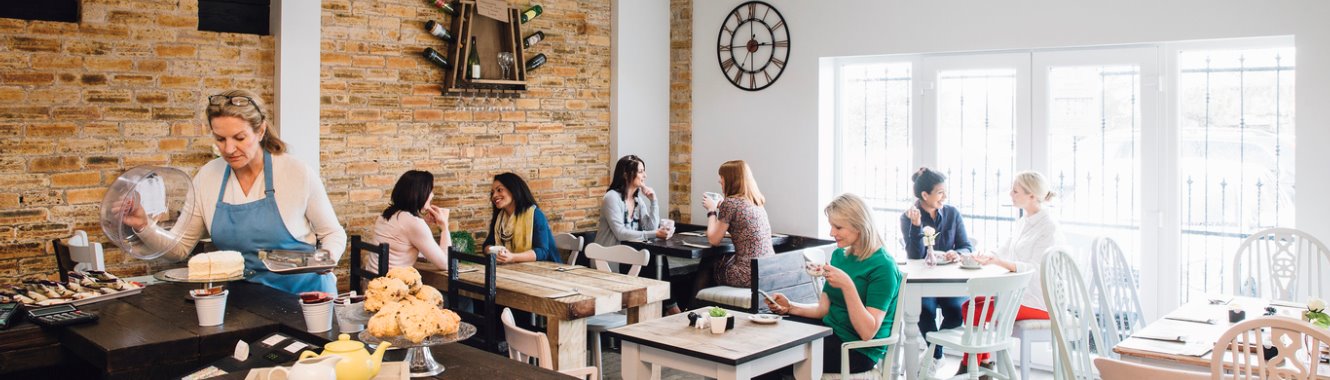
1022	314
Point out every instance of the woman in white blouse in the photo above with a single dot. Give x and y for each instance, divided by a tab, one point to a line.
1036	231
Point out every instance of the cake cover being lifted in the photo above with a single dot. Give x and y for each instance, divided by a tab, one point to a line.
162	194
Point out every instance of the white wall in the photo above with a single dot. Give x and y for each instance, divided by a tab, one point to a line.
777	129
295	24
640	88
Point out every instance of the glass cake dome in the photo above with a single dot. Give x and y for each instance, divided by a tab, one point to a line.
144	196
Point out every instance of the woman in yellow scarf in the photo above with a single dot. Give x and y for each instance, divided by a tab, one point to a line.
518	226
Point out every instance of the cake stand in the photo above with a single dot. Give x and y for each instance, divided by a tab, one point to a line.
181	275
418	355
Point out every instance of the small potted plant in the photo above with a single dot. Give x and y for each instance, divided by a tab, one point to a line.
720	320
1315	313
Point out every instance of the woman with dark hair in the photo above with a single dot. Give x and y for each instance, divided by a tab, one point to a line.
518	225
405	225
628	211
929	211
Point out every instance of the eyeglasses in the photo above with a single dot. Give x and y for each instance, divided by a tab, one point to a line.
238	100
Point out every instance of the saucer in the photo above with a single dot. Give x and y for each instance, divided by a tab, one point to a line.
764	318
963	266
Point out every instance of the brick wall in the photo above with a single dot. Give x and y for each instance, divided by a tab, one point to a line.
81	103
681	109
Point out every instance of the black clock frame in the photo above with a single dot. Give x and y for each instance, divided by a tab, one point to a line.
721	37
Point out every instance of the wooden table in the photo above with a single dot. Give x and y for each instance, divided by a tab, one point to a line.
1196	353
539	288
750	349
939	281
156	335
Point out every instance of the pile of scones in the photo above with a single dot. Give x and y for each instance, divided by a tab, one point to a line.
404	307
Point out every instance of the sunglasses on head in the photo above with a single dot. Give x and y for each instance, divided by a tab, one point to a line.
237	100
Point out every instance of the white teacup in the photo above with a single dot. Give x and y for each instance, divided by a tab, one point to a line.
969	261
495	249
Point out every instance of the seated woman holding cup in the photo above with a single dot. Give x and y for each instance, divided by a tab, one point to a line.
1036	231
405	225
741	214
628	211
518	230
859	299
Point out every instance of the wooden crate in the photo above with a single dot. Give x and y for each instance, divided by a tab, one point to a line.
492	37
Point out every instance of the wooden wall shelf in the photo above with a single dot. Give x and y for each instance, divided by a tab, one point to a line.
492	37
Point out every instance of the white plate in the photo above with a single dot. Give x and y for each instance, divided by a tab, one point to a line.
963	266
764	318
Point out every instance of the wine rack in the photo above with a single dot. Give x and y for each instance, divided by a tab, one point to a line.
492	37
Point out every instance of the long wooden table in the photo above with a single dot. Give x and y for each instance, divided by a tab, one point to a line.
565	298
1195	351
155	334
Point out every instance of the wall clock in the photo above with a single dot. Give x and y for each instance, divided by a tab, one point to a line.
754	46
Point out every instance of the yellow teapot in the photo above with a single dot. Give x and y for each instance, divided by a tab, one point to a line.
356	363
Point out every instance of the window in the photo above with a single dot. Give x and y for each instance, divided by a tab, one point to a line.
1100	124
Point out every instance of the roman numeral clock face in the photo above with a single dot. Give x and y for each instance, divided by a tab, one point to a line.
753	46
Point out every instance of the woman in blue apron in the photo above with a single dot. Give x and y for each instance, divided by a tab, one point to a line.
292	211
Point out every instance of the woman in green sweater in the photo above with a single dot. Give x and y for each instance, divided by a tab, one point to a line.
858	301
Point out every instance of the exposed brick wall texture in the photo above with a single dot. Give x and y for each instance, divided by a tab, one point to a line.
81	103
681	108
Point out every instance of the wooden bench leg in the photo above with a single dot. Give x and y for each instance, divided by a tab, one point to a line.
644	313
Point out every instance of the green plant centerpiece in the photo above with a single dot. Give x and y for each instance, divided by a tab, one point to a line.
721	320
463	242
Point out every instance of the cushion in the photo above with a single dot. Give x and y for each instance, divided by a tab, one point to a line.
728	295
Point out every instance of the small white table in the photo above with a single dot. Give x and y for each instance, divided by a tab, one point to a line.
939	281
750	349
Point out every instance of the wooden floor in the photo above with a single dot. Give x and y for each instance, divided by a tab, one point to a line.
949	365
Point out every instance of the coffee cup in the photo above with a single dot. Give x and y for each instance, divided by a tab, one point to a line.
495	249
713	196
668	225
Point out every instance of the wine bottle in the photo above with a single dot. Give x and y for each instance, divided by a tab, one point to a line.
473	59
438	30
449	7
534	62
532	12
437	59
533	39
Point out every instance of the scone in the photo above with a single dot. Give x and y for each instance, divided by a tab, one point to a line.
408	275
417	320
384	290
449	322
384	323
429	295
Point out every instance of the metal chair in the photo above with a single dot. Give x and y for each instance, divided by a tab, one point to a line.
1282	264
1112	369
892	341
484	312
991	335
527	346
1120	309
1072	314
359	274
602	257
1269	348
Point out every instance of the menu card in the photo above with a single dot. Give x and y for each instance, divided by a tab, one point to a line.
495	9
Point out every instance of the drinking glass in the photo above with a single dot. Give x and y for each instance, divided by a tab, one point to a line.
506	63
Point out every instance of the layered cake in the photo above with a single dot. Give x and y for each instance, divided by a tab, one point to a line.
216	265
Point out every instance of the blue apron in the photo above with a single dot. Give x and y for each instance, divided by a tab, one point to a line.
256	225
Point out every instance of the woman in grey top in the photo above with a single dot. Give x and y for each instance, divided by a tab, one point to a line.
629	212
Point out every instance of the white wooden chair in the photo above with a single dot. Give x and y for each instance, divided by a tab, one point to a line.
892	341
1283	264
1028	332
1120	310
569	244
1244	351
1112	369
1072	313
994	335
601	257
527	346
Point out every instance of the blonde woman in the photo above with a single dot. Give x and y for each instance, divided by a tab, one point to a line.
742	215
1036	231
859	299
255	197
